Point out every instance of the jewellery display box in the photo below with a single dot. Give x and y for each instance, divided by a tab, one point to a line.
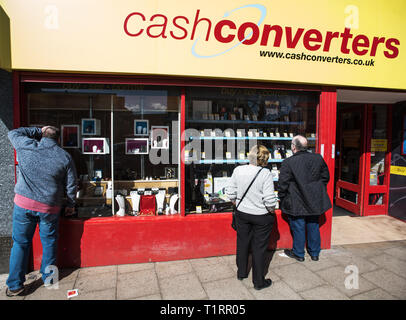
95	146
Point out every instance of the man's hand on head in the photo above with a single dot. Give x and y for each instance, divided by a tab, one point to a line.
44	128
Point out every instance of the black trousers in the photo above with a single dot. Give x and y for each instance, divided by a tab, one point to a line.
253	232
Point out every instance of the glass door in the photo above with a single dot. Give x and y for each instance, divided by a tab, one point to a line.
351	121
377	162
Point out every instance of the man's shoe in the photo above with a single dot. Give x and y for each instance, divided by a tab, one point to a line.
267	283
241	278
13	293
315	258
290	254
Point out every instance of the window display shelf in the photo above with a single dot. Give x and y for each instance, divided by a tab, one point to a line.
245	122
247	138
233	161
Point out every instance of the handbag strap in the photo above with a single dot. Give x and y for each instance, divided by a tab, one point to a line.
249	187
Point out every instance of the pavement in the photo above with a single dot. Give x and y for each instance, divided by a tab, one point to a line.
363	271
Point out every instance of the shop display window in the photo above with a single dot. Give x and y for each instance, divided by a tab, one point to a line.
124	142
222	125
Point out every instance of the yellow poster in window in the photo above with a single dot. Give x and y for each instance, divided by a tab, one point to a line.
401	171
379	145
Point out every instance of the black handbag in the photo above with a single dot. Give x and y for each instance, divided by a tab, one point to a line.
233	222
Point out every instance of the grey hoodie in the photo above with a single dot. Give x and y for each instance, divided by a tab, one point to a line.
45	170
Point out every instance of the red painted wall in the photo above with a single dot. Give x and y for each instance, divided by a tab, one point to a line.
125	240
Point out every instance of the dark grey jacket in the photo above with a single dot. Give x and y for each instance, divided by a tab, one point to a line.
45	170
302	185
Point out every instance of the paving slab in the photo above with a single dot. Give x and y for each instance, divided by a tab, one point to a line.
183	287
279	290
126	268
207	273
172	268
391	263
375	294
298	277
96	282
323	263
337	276
324	292
227	289
48	293
388	281
137	284
397	252
97	270
363	264
108	294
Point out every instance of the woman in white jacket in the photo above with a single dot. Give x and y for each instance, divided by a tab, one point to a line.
254	215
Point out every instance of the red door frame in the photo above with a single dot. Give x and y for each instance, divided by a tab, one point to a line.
367	209
363	188
143	239
358	188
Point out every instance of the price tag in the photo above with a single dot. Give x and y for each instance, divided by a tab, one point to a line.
203	155
228	134
228	155
291	135
239	133
198	209
213	133
250	134
278	134
241	157
285	134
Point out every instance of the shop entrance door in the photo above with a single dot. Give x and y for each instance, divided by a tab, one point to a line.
351	123
377	160
363	142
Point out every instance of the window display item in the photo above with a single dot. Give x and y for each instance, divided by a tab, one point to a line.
136	146
173	203
121	204
170	173
141	127
208	183
91	127
109	190
70	136
160	200
135	200
95	146
159	137
147	205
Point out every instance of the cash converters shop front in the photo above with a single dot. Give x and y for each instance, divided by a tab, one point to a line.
158	106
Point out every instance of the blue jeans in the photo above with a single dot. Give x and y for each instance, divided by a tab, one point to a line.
299	225
24	224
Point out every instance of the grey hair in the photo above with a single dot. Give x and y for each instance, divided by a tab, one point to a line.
300	142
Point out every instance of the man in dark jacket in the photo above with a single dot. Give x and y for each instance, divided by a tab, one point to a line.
302	190
45	173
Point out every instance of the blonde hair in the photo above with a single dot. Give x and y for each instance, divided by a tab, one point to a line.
258	155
